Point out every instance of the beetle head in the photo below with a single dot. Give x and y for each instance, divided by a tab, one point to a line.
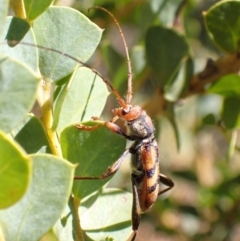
128	113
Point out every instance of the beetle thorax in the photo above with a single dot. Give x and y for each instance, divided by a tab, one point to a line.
142	127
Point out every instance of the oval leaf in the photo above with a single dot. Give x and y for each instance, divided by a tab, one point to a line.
94	151
26	54
85	96
15	172
109	216
72	33
32	137
17	92
43	203
223	23
17	30
165	50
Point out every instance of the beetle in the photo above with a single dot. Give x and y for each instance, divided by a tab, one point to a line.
146	176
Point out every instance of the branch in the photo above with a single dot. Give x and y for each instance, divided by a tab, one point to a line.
213	70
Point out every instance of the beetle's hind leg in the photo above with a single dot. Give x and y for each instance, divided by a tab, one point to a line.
166	181
136	210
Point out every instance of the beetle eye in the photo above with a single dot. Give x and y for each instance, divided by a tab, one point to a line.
125	111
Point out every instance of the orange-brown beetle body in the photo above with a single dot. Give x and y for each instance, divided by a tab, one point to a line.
146	175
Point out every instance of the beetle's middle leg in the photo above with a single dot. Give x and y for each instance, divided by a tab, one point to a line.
110	170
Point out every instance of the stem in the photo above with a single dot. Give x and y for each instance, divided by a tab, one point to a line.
47	117
74	205
18	8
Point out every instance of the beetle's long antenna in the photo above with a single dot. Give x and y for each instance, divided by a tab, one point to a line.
119	98
130	74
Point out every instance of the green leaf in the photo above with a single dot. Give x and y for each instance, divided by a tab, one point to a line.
34	8
93	151
84	96
17	30
32	137
223	24
43	203
165	50
3	13
26	54
228	85
231	112
71	32
15	172
17	92
109	216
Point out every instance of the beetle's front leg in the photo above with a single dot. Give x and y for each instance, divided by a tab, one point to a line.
109	124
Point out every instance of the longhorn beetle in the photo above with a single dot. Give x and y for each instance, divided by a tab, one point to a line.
146	176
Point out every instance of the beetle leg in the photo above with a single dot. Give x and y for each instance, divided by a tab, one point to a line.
166	181
88	128
110	125
110	170
136	211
